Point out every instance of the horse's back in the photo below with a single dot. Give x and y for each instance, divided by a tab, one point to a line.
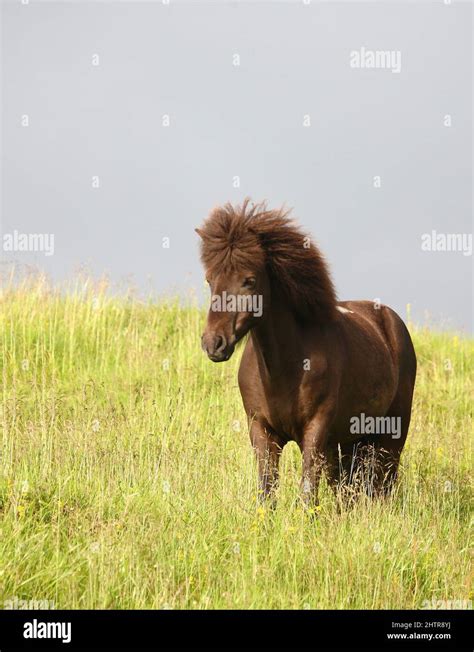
392	329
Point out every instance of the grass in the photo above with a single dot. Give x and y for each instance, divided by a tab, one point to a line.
127	479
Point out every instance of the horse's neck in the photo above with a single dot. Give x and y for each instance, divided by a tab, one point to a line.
276	339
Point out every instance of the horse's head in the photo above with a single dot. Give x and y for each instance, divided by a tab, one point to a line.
249	251
235	265
237	303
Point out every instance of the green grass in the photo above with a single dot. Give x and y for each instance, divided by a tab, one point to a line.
127	479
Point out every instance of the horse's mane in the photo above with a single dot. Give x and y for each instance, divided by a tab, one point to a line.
249	237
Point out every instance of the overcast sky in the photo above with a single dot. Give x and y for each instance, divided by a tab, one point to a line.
274	93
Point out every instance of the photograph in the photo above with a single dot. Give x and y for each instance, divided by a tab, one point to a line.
236	324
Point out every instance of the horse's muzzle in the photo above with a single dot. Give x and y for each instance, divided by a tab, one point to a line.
217	347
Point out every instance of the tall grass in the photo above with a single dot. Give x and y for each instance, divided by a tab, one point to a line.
127	479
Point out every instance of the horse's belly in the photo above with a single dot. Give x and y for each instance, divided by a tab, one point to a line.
356	404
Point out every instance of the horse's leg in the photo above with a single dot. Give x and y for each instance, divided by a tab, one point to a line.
376	465
268	452
342	471
385	449
386	469
313	447
369	465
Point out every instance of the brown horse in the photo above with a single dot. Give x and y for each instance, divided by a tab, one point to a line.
335	377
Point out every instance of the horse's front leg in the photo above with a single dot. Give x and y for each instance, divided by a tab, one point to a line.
268	453
313	447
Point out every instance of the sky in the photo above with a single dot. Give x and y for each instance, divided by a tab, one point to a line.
124	123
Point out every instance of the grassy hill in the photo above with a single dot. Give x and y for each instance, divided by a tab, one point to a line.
127	479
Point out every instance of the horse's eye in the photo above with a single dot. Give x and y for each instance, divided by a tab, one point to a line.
249	283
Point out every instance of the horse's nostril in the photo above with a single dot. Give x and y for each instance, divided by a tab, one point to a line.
219	343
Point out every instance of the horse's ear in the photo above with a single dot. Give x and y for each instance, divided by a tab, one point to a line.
199	232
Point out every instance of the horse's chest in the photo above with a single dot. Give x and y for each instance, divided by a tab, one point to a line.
288	406
287	400
283	418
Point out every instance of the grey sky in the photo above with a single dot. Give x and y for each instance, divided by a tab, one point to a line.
106	120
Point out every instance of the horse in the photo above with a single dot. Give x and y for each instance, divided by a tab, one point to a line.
314	370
